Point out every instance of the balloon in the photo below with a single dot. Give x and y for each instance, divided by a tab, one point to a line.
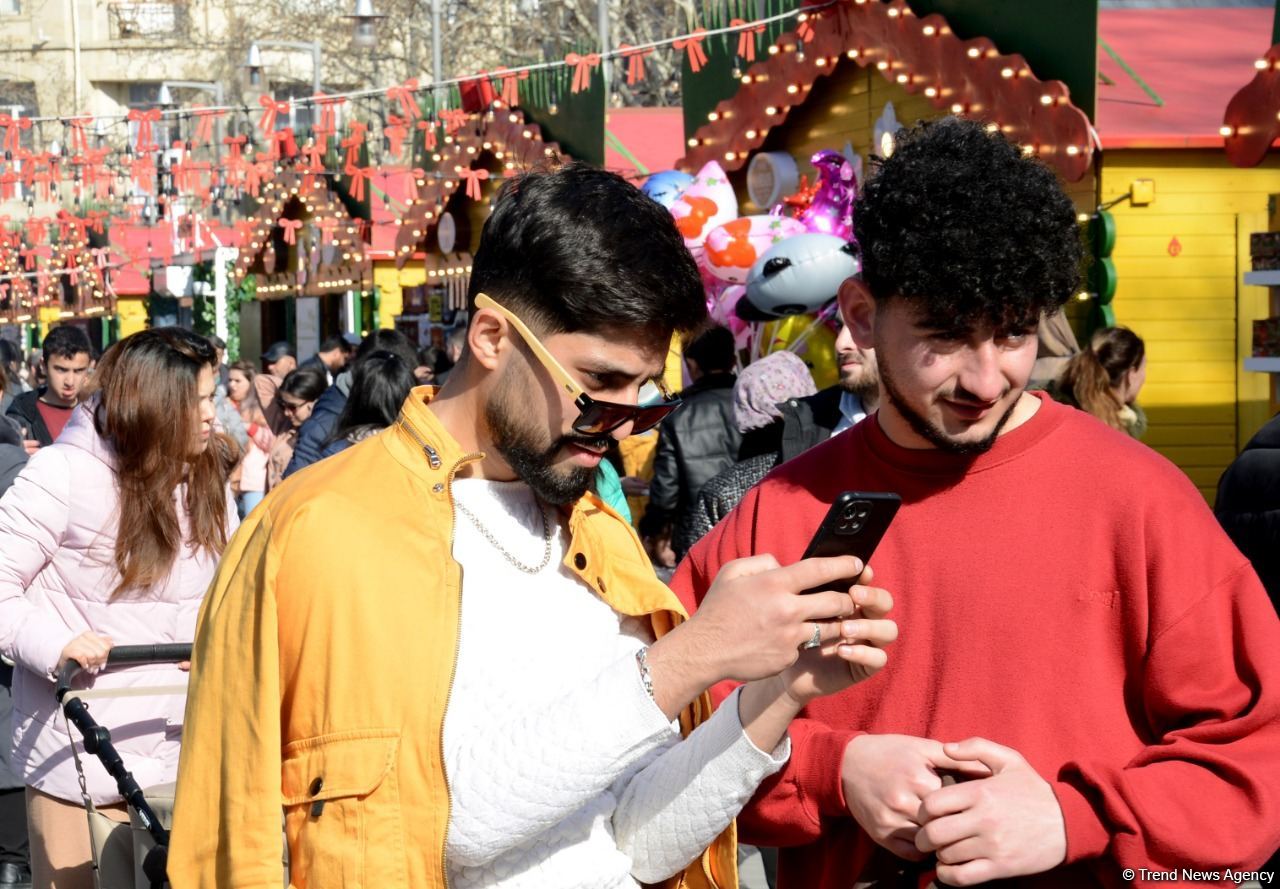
707	203
666	186
733	248
797	275
831	211
809	338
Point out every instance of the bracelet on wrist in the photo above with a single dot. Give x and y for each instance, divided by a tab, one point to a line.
642	662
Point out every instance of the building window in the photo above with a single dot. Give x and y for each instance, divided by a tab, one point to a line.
10	7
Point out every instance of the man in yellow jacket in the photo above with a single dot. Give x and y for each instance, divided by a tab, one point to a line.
450	664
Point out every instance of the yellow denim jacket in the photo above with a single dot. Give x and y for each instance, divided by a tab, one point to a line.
324	659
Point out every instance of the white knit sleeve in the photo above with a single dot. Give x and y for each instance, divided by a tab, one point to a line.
674	806
513	778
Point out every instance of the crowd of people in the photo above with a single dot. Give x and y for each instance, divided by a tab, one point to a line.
428	633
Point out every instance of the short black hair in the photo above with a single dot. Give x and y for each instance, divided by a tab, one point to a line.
713	350
574	248
66	341
276	351
386	339
218	342
335	342
307	383
959	221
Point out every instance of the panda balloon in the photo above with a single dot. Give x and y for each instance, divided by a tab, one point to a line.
798	276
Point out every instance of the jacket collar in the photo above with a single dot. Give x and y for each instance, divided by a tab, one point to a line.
420	443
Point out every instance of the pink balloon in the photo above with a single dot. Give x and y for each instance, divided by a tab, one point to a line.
831	212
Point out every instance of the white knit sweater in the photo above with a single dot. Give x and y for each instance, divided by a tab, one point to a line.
562	771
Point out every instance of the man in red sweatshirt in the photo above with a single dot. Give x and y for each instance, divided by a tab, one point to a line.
1082	648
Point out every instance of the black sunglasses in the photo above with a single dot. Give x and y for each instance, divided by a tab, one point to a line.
595	417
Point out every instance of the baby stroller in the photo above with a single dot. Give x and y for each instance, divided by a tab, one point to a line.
125	856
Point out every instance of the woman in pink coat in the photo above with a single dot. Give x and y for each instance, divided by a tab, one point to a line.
110	536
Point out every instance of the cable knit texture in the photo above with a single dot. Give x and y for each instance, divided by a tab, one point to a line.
562	770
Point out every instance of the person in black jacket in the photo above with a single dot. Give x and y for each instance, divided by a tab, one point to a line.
1248	505
317	431
695	442
43	412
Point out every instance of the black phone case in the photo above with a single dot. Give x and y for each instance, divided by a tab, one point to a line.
853	526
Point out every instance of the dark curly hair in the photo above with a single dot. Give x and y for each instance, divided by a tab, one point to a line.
965	225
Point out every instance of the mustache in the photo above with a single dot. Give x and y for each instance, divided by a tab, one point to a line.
593	442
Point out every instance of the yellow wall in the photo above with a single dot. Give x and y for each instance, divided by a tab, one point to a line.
133	316
1191	309
391	282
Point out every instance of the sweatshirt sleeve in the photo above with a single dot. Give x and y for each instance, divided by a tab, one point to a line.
680	802
789	806
227	816
34	515
1207	787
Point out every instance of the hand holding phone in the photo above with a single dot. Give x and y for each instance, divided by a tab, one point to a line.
854	526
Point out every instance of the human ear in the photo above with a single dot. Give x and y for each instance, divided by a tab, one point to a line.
487	337
858	308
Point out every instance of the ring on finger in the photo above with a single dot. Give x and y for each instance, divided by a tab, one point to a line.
815	640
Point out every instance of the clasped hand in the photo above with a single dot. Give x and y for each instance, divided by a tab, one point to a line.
1001	820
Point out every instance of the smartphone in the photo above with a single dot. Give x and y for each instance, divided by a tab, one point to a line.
854	526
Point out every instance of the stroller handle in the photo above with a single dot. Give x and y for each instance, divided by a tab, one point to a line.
122	655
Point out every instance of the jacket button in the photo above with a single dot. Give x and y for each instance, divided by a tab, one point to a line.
316	786
580	561
437	488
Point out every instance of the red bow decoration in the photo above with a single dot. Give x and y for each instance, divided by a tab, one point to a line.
473	178
582	66
359	176
145	121
96	218
428	128
271	109
44	251
510	84
404	95
353	142
454	119
13	131
805	31
290	227
73	270
635	62
79	139
396	131
38	229
328	125
693	46
204	124
143	171
282	144
747	38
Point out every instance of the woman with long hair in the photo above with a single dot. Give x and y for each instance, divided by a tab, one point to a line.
111	536
379	385
1104	380
249	481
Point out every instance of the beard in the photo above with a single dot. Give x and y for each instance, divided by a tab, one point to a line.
927	430
530	450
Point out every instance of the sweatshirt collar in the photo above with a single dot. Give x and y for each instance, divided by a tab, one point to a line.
936	462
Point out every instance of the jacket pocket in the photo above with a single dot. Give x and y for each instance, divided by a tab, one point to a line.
342	810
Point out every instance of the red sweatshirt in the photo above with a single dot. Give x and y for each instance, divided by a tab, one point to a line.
1067	594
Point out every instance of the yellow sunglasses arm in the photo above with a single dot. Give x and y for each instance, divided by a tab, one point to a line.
548	360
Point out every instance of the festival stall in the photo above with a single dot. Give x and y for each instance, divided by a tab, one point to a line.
1251	129
306	253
